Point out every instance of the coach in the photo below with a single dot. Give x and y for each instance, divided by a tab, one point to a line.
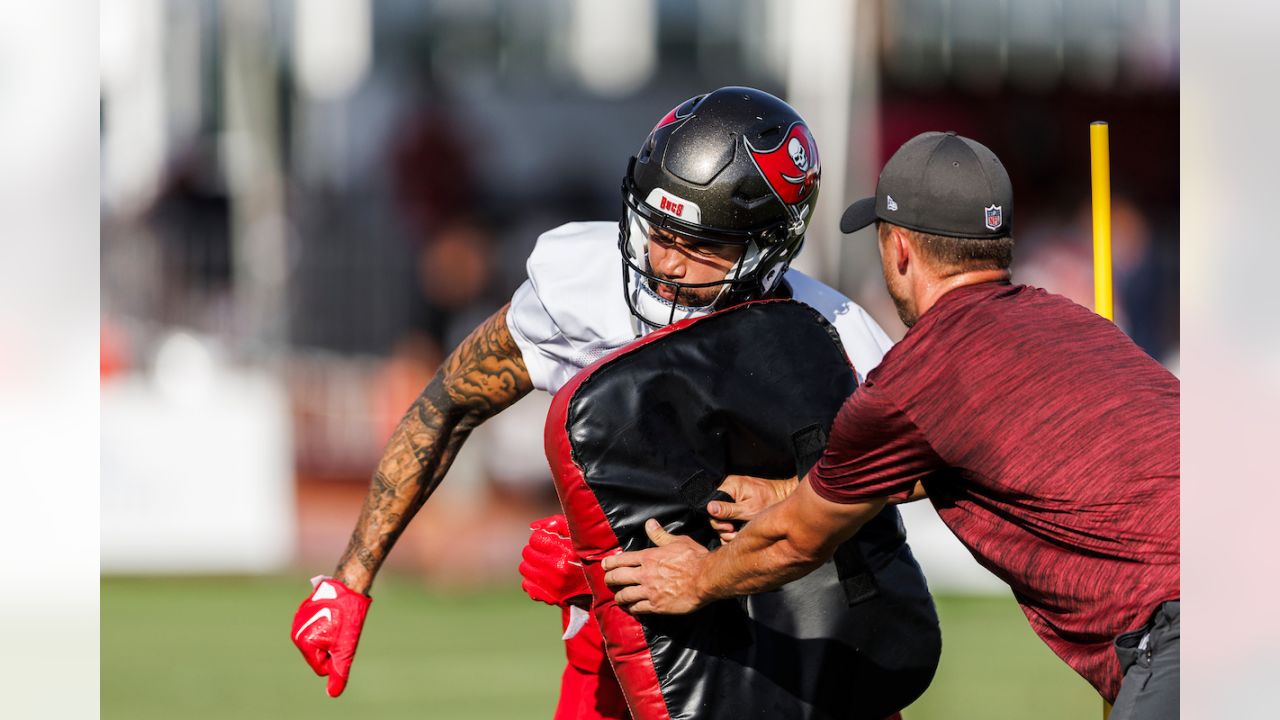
1047	441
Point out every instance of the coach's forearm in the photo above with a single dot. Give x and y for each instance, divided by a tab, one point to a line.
786	542
758	560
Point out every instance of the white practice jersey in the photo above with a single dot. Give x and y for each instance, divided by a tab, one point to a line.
572	311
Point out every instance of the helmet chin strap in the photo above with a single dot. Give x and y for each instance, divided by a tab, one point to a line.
660	311
651	310
653	305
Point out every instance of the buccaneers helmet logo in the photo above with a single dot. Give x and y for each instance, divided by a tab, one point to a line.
791	167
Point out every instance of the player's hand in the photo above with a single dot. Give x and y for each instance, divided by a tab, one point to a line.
662	579
327	627
751	496
549	565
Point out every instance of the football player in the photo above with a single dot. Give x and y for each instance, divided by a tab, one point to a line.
715	207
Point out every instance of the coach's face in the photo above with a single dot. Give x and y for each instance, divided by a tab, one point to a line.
672	257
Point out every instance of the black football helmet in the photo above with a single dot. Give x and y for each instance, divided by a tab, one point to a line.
736	166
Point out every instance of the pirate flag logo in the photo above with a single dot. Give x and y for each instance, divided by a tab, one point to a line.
791	167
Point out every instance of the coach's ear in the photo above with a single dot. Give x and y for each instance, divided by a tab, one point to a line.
901	248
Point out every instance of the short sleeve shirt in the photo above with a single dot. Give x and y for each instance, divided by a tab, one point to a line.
1048	443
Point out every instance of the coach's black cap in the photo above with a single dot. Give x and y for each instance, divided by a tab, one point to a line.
943	184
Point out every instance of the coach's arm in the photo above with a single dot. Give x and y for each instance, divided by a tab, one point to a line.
752	496
787	541
483	376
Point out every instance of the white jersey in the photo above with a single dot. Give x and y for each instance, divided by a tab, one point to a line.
572	311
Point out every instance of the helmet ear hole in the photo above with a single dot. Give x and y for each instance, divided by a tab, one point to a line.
746	202
769	134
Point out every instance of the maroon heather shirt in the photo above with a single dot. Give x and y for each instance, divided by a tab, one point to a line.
1048	443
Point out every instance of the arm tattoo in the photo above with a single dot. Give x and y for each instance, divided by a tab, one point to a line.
483	376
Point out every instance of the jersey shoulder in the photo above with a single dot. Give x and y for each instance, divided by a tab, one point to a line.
863	338
576	273
571	311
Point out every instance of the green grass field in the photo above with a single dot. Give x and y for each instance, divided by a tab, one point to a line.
196	648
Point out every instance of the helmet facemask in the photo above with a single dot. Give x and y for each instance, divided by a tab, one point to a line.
754	274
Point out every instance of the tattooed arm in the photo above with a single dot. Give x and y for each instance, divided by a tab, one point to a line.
478	380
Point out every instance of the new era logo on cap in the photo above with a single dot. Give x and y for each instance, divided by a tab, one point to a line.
890	203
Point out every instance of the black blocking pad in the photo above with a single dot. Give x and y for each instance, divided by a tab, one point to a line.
753	390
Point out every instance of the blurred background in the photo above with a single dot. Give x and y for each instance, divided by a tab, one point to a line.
306	204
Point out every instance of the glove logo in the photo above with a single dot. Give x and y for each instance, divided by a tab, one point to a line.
791	167
323	614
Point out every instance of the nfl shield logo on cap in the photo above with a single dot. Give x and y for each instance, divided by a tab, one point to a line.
994	217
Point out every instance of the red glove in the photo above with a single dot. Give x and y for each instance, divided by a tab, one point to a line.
551	569
327	627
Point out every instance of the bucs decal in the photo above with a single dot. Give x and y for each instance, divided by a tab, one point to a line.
791	167
674	205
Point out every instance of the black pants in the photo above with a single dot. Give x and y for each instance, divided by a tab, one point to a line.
1149	660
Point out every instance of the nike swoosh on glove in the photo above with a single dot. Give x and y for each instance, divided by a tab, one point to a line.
327	627
550	567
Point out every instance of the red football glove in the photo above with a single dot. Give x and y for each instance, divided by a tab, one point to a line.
327	628
551	569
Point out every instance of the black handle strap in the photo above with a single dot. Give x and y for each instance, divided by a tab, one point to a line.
808	443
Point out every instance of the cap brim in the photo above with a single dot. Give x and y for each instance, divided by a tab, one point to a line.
858	215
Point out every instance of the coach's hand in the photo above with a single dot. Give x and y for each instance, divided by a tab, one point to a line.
663	579
327	627
751	496
549	566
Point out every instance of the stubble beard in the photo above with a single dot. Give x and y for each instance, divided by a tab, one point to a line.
690	297
902	303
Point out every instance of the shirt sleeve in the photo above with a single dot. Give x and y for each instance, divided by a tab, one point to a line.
532	328
875	451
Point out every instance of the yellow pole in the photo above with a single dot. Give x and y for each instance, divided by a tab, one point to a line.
1101	170
1100	163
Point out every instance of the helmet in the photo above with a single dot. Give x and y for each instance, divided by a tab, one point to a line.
736	166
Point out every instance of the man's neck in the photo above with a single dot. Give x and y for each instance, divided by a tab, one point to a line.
933	291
